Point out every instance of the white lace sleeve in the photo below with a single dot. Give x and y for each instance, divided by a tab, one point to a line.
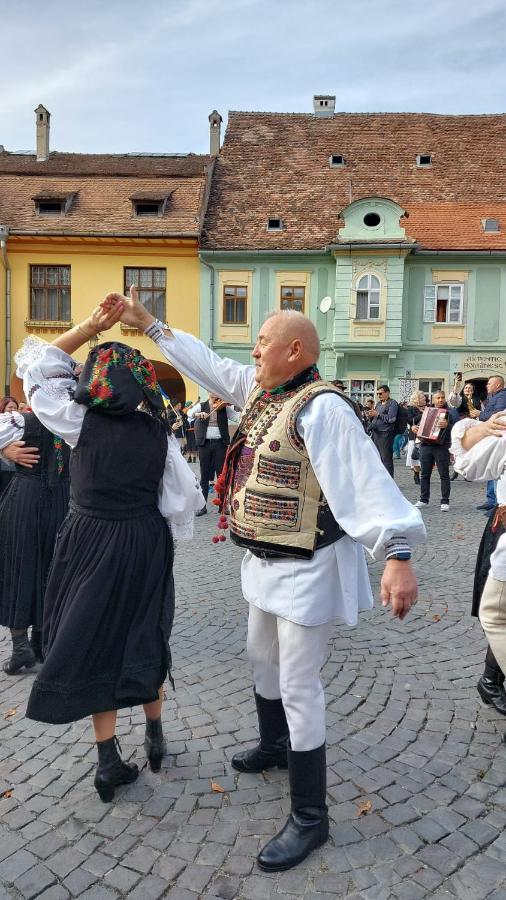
49	382
12	426
179	494
458	432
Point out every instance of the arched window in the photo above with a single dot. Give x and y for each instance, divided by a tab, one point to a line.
368	297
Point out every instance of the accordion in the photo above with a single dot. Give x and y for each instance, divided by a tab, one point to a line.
429	428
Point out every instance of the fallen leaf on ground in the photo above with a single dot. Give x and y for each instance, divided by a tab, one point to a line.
10	713
8	793
217	788
436	617
364	807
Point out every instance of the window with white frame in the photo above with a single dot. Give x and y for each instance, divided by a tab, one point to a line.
368	297
360	389
430	386
444	303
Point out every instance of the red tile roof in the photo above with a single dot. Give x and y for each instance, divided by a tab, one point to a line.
278	165
103	187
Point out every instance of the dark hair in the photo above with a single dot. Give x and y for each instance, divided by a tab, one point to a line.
382	387
338	384
5	401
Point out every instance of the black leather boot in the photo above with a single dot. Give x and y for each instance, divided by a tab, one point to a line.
307	826
22	655
154	744
36	645
491	684
416	477
111	770
274	736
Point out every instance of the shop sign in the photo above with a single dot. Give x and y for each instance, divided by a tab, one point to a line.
484	361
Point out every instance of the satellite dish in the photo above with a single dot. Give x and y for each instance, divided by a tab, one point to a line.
325	304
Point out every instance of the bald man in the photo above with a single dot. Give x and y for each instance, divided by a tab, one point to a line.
303	511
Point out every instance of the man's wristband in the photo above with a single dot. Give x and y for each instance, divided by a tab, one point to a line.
155	330
398	548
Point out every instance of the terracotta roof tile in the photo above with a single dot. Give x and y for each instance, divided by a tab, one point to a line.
103	187
274	164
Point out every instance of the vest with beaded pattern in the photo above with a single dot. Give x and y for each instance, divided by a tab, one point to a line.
277	507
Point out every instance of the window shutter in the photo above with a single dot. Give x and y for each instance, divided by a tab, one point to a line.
429	303
353	305
464	303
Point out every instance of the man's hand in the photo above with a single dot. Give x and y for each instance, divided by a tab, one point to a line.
102	319
19	453
372	413
399	587
134	313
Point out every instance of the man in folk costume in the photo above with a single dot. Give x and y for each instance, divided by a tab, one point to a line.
301	507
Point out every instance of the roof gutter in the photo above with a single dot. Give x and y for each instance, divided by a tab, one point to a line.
4	233
264	252
370	245
96	234
498	253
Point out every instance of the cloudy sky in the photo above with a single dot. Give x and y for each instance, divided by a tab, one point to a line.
143	75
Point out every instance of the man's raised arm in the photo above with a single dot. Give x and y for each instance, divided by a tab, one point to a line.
224	377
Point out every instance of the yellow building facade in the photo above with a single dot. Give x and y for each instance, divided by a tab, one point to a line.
97	267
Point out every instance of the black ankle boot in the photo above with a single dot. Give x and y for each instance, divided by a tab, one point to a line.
154	744
22	655
416	477
307	826
271	751
111	770
36	645
492	692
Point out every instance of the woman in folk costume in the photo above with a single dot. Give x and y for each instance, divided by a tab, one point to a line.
32	508
300	505
110	593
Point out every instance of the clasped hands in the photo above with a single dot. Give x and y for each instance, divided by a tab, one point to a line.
116	308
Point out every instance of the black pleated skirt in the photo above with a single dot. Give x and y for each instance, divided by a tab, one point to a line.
109	610
31	513
487	546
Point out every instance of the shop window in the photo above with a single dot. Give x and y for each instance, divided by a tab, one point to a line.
430	386
50	294
151	286
360	389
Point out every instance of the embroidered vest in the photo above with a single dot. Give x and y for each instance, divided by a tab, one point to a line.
276	504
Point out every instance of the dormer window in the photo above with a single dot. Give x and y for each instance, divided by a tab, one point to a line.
274	224
423	160
147	205
491	225
53	204
337	160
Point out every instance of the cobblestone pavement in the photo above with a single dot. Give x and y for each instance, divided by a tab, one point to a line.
417	768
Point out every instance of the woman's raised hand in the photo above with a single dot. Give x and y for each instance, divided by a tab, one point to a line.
102	318
134	313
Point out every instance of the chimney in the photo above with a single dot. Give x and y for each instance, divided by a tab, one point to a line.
42	117
215	121
324	105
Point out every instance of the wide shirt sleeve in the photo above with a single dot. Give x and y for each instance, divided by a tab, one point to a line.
48	385
486	461
12	426
364	499
179	494
224	377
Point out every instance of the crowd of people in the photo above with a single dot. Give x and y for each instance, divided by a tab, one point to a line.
96	487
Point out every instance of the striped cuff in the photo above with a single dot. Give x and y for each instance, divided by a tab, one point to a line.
397	544
155	331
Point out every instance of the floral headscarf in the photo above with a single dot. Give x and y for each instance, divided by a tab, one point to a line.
116	379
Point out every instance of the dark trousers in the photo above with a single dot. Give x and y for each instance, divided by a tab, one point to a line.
211	458
440	456
384	441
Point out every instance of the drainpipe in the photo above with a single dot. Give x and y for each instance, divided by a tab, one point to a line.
4	232
211	300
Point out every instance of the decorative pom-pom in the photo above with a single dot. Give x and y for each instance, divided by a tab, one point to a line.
215	538
215	502
222	537
224	526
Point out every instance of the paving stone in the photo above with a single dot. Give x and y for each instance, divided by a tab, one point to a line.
16	865
34	881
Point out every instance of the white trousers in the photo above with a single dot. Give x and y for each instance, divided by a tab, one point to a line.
287	659
493	617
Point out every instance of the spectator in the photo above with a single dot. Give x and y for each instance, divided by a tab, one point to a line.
496	402
417	404
383	418
437	452
211	418
7	469
400	440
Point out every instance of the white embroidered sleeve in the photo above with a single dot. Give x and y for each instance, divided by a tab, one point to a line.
49	382
12	426
179	494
